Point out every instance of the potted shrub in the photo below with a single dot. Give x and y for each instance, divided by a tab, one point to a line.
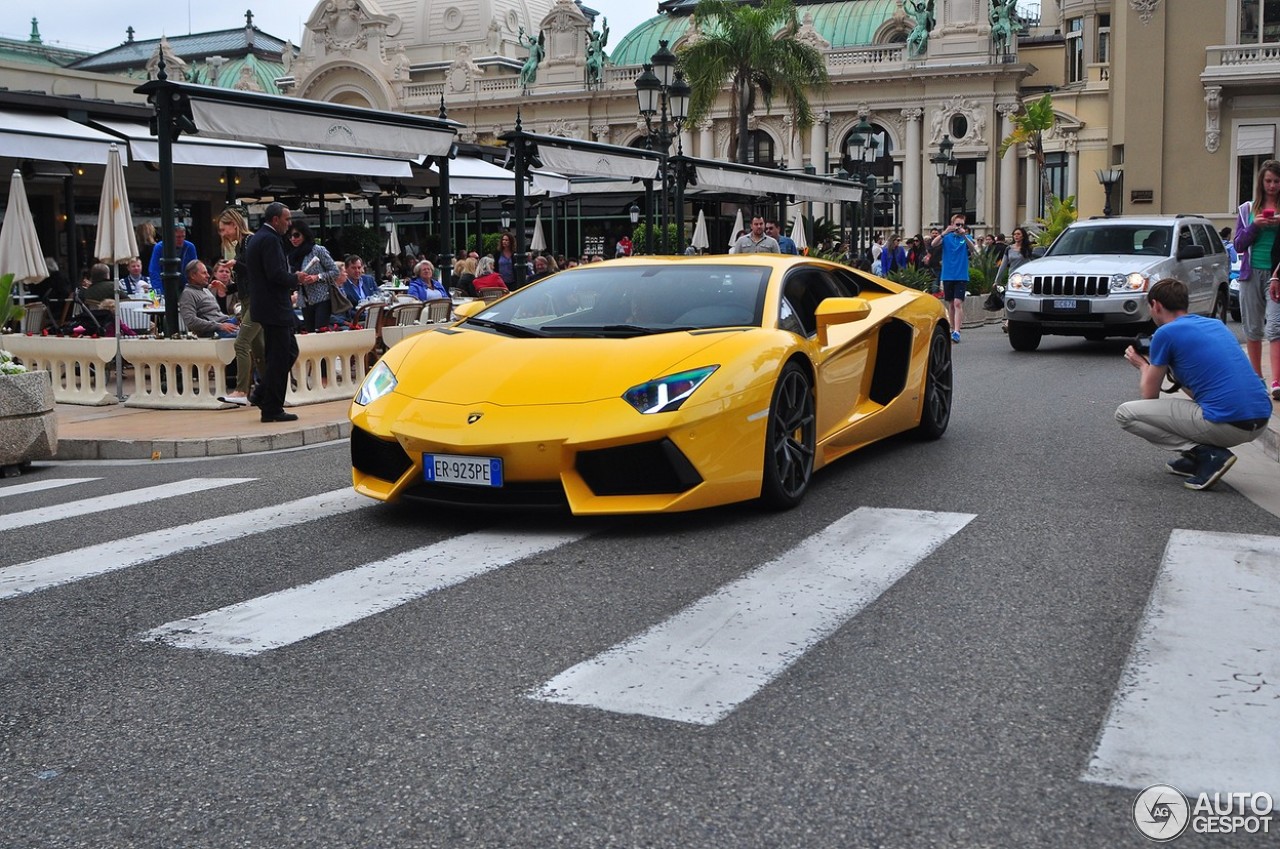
28	424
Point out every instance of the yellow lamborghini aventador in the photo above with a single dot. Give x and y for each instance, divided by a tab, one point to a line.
653	384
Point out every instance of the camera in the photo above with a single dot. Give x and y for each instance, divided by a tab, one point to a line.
1142	345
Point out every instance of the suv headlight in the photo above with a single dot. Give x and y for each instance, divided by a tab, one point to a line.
1019	282
1133	282
378	382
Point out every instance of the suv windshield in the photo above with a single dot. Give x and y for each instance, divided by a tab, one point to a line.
1119	239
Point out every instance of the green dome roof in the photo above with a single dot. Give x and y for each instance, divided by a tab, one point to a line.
849	23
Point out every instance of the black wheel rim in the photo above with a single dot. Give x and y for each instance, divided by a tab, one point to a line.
938	387
793	433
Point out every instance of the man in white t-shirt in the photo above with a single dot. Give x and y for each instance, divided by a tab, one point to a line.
756	242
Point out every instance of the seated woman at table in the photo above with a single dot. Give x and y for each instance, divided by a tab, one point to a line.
424	286
487	276
464	275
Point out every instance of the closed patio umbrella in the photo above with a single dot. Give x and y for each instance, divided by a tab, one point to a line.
737	228
700	240
115	242
797	235
393	240
538	242
20	253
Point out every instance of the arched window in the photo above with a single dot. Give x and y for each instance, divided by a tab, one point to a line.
884	151
760	149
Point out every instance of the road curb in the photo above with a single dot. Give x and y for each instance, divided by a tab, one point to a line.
167	449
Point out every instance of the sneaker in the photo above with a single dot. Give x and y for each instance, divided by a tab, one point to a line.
1184	464
1213	464
955	336
1275	389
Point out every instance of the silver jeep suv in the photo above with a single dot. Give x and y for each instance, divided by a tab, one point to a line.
1093	280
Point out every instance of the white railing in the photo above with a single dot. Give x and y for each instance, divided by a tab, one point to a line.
330	366
423	91
393	333
878	55
178	374
77	367
1228	55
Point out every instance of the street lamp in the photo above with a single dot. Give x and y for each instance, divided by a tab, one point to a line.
661	91
506	219
863	151
945	166
1108	177
634	212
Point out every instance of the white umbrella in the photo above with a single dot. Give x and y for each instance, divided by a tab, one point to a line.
115	242
737	228
20	253
539	241
700	240
393	240
797	235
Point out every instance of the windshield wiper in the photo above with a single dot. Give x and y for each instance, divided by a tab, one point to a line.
507	327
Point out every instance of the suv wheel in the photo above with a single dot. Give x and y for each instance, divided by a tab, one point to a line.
1024	336
1220	304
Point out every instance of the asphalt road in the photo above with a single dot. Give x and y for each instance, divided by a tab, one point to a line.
959	707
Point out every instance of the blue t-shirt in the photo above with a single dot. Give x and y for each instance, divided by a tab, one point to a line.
1205	357
955	257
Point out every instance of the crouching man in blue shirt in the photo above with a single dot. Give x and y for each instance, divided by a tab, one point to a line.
1227	404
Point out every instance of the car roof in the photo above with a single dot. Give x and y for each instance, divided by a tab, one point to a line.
1140	220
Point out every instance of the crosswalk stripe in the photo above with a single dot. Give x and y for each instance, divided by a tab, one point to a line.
58	569
113	501
1199	700
700	664
37	486
289	616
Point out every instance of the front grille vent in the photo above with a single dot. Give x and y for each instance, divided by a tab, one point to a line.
378	457
1072	285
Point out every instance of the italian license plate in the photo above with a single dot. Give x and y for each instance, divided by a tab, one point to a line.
455	468
1064	303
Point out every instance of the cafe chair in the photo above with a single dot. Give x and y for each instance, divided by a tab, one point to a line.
489	294
403	314
439	310
34	317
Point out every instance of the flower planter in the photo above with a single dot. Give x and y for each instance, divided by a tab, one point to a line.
330	366
77	367
28	424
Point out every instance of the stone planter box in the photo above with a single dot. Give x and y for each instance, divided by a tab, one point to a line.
77	368
330	366
28	424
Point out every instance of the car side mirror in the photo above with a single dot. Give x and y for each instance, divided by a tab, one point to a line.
839	311
470	308
1191	252
1038	251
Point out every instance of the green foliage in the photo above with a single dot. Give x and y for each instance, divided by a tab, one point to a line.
661	247
488	244
1030	126
750	46
365	242
982	272
915	278
8	366
820	230
9	311
1062	213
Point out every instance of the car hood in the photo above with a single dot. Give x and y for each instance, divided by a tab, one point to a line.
464	366
1091	264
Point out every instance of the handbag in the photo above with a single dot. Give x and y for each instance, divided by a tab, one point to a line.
338	302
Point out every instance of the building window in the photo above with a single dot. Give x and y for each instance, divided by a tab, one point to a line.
1254	145
1259	21
1055	170
1104	39
759	149
1075	50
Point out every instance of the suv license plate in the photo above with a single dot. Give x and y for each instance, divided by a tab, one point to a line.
1064	303
454	468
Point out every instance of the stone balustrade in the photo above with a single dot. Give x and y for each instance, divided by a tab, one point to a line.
393	333
77	366
178	374
330	366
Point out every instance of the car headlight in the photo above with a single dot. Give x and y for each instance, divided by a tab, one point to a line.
1135	282
1019	282
666	394
378	382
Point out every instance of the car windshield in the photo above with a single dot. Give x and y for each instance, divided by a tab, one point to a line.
616	299
1125	239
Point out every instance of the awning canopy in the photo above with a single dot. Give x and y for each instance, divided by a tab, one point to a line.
189	150
228	114
478	178
729	178
329	162
31	135
596	163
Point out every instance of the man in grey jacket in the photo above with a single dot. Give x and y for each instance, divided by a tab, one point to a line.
199	308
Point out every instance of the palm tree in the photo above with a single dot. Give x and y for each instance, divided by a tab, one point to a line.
751	47
1029	129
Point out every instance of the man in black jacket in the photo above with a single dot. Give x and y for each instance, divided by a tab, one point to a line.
271	286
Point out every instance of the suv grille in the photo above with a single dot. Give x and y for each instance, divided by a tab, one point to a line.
1072	285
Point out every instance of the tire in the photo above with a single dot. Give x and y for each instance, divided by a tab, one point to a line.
1024	336
1220	301
790	440
1235	315
935	412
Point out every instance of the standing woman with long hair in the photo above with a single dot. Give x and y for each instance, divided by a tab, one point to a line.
1018	252
308	257
1257	226
250	349
504	261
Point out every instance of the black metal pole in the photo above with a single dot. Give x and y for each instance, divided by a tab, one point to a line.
170	275
521	168
445	262
648	213
69	204
679	174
